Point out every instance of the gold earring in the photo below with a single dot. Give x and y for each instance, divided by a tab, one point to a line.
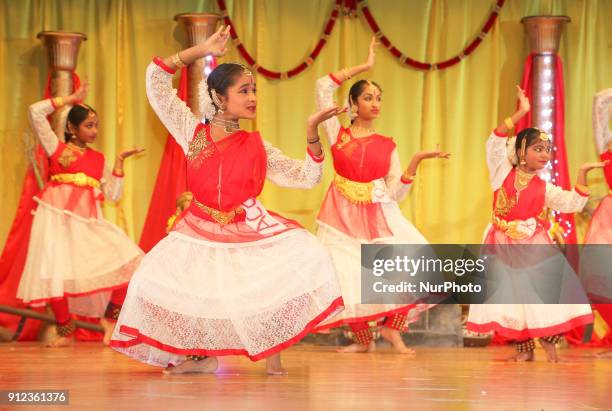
216	100
523	151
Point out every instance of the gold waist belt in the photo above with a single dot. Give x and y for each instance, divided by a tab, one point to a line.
354	191
221	217
510	228
79	179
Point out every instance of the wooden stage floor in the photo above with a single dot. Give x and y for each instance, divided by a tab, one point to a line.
319	379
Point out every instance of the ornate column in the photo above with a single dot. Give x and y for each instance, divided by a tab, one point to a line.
62	50
197	27
544	35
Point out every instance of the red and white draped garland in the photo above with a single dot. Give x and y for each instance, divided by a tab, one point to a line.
348	7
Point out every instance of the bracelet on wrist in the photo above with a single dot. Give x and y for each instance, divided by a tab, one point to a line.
408	177
57	102
176	60
347	76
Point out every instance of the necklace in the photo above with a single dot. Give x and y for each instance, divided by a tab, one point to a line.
229	126
76	147
364	130
522	181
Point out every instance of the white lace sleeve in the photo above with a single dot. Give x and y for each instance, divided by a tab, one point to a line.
288	172
112	186
171	110
497	160
396	188
565	201
38	113
602	109
325	89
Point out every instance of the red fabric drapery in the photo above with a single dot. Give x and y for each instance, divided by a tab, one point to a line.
576	337
170	183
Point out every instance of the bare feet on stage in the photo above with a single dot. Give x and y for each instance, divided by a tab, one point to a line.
394	337
371	347
108	326
61	342
550	349
206	366
274	366
522	357
604	354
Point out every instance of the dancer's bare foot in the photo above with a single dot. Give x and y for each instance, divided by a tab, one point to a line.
604	354
522	357
394	337
61	342
206	366
353	348
550	349
274	366
109	327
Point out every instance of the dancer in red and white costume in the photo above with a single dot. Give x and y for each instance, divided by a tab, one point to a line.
600	228
520	217
361	205
595	269
77	261
231	278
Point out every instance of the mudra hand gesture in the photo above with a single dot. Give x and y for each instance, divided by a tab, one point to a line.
320	116
129	152
369	64
524	105
215	45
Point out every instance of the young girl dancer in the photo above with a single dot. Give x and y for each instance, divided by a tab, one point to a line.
520	217
361	205
600	227
595	272
231	278
76	259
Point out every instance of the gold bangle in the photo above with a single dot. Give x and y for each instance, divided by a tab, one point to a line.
509	123
176	60
405	176
118	172
57	102
347	76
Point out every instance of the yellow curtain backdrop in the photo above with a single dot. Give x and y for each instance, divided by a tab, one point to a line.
456	108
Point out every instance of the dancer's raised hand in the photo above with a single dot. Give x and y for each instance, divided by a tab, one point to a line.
215	45
524	105
369	64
